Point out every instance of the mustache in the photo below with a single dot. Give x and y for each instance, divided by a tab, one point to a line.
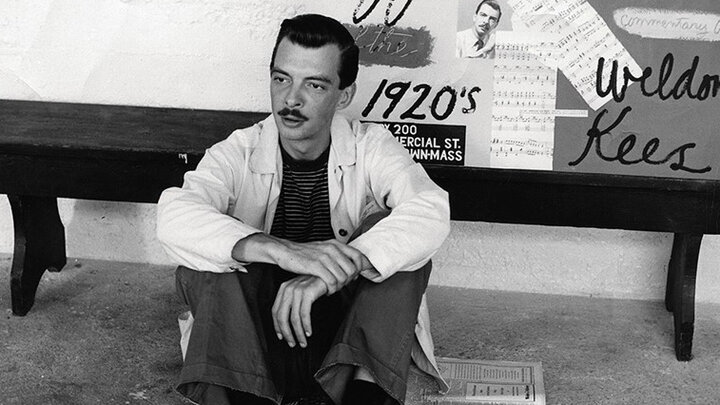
285	112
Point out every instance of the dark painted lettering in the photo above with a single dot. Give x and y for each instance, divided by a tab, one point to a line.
424	90
683	86
395	92
626	146
357	19
450	105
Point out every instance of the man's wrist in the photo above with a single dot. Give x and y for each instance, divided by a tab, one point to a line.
258	247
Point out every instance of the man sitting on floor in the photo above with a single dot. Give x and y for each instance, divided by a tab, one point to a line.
305	244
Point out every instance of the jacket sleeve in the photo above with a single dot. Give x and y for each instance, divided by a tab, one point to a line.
419	219
193	224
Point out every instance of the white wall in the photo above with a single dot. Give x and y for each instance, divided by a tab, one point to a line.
200	53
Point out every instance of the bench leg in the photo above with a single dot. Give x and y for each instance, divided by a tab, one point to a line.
680	291
39	246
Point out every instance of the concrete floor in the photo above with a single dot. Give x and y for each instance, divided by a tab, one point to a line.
105	333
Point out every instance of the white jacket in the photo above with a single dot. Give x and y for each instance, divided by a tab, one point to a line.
234	192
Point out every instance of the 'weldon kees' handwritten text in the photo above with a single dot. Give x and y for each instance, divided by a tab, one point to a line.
684	86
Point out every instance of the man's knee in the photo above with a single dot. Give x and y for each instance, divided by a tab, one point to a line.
412	282
193	286
415	281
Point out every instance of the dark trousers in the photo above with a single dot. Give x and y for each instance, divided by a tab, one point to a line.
233	346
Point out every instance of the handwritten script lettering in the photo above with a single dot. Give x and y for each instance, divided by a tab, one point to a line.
627	145
357	19
393	46
684	86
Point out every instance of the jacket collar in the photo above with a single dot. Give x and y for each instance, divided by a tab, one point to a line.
265	156
343	141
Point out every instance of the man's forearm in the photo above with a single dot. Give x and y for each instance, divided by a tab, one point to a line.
263	248
258	248
332	261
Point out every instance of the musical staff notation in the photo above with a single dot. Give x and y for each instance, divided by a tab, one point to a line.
524	79
584	38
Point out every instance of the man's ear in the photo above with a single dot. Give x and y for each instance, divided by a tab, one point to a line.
346	96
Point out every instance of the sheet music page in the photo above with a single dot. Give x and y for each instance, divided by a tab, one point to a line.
584	38
524	79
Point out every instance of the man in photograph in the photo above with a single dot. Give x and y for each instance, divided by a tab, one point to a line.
304	244
479	40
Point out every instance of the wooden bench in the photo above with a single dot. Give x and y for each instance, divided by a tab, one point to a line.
121	153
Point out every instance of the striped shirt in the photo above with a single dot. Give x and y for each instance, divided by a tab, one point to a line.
303	211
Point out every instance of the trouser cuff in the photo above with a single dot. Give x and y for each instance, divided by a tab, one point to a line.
340	365
195	378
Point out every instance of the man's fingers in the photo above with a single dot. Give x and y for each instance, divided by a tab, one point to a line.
346	257
295	319
305	307
334	267
328	278
291	310
352	254
282	315
332	261
347	265
275	309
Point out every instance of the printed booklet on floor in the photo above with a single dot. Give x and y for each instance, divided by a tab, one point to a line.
480	382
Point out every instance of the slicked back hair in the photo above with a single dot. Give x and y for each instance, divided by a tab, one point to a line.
492	3
315	31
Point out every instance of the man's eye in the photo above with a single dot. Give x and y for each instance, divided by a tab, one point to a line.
279	79
316	86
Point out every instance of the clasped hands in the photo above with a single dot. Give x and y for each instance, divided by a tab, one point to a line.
323	268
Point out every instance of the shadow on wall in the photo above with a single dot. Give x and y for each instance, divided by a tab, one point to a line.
555	260
111	231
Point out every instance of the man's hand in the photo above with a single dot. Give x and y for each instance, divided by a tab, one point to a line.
291	310
333	262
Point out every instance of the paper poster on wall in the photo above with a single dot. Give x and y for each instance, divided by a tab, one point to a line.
581	85
426	70
524	85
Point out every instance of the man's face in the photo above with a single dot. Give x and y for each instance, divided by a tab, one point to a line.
305	93
485	20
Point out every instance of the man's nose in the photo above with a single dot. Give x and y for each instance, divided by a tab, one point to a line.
294	97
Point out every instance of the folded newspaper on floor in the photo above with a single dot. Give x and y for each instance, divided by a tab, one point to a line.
479	382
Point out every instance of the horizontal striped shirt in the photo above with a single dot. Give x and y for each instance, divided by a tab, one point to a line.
303	211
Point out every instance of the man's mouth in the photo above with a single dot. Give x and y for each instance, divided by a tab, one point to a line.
292	122
291	117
